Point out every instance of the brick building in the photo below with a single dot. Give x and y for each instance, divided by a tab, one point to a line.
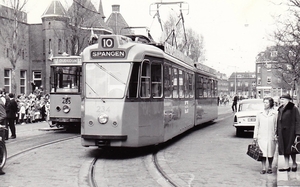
52	37
243	84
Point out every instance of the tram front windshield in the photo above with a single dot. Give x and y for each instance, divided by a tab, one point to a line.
106	80
65	79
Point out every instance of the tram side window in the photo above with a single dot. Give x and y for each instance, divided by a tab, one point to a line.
215	88
209	87
133	83
145	80
175	83
190	79
186	86
199	86
181	83
156	81
205	87
167	81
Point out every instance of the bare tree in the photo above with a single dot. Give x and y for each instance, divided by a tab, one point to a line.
287	38
187	41
12	35
84	17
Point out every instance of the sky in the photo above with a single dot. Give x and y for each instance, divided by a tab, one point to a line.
234	31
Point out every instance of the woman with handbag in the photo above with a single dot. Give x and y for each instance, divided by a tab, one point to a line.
288	129
264	133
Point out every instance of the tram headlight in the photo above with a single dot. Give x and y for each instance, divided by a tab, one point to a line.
103	118
66	109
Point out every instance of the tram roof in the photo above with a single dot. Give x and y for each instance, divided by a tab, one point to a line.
139	49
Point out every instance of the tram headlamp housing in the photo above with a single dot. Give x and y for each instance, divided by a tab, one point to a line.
103	118
66	109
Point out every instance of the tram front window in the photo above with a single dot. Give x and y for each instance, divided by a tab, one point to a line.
106	80
65	79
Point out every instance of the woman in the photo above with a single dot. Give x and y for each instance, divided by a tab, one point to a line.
264	133
288	129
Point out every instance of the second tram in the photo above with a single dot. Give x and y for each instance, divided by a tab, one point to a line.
65	93
136	93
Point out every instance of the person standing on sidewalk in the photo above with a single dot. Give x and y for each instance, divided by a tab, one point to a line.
11	111
264	133
288	129
234	103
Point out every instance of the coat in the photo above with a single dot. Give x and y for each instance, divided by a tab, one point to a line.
265	131
11	109
288	126
2	112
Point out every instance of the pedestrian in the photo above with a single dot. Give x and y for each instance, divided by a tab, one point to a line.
2	119
5	100
11	111
234	103
288	129
264	133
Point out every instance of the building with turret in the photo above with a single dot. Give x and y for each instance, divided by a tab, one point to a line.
61	31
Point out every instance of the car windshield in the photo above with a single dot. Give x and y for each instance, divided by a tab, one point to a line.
251	106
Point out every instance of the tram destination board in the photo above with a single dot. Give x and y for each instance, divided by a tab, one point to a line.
108	54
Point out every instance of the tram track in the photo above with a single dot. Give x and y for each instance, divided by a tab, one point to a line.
155	167
19	153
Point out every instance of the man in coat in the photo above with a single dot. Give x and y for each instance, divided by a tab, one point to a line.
288	129
2	120
11	111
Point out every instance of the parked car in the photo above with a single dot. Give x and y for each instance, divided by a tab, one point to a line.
245	117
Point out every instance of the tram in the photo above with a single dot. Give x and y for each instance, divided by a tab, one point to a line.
137	93
65	93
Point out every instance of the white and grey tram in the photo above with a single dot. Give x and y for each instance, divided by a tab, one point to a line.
136	93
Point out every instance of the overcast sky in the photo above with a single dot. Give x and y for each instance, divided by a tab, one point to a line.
234	31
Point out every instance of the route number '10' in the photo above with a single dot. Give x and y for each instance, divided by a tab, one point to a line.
107	43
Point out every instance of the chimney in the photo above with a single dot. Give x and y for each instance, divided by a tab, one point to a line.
116	8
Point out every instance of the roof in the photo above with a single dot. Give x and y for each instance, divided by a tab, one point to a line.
55	9
116	21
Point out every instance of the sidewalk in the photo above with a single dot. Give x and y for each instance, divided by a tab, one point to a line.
29	129
288	178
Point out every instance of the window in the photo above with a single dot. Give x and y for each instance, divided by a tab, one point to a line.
145	80
156	81
37	79
181	83
59	46
190	83
167	81
175	83
23	81
50	47
269	80
199	86
67	46
258	69
205	87
258	81
7	80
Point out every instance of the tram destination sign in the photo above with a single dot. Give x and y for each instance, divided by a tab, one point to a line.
108	54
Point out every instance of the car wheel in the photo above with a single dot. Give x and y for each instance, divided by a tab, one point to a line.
239	131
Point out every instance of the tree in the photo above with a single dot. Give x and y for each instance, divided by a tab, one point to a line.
84	17
12	35
187	41
287	39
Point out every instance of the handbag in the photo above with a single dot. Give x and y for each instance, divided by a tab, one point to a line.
296	146
254	151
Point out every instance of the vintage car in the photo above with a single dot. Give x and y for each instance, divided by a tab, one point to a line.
3	152
245	117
